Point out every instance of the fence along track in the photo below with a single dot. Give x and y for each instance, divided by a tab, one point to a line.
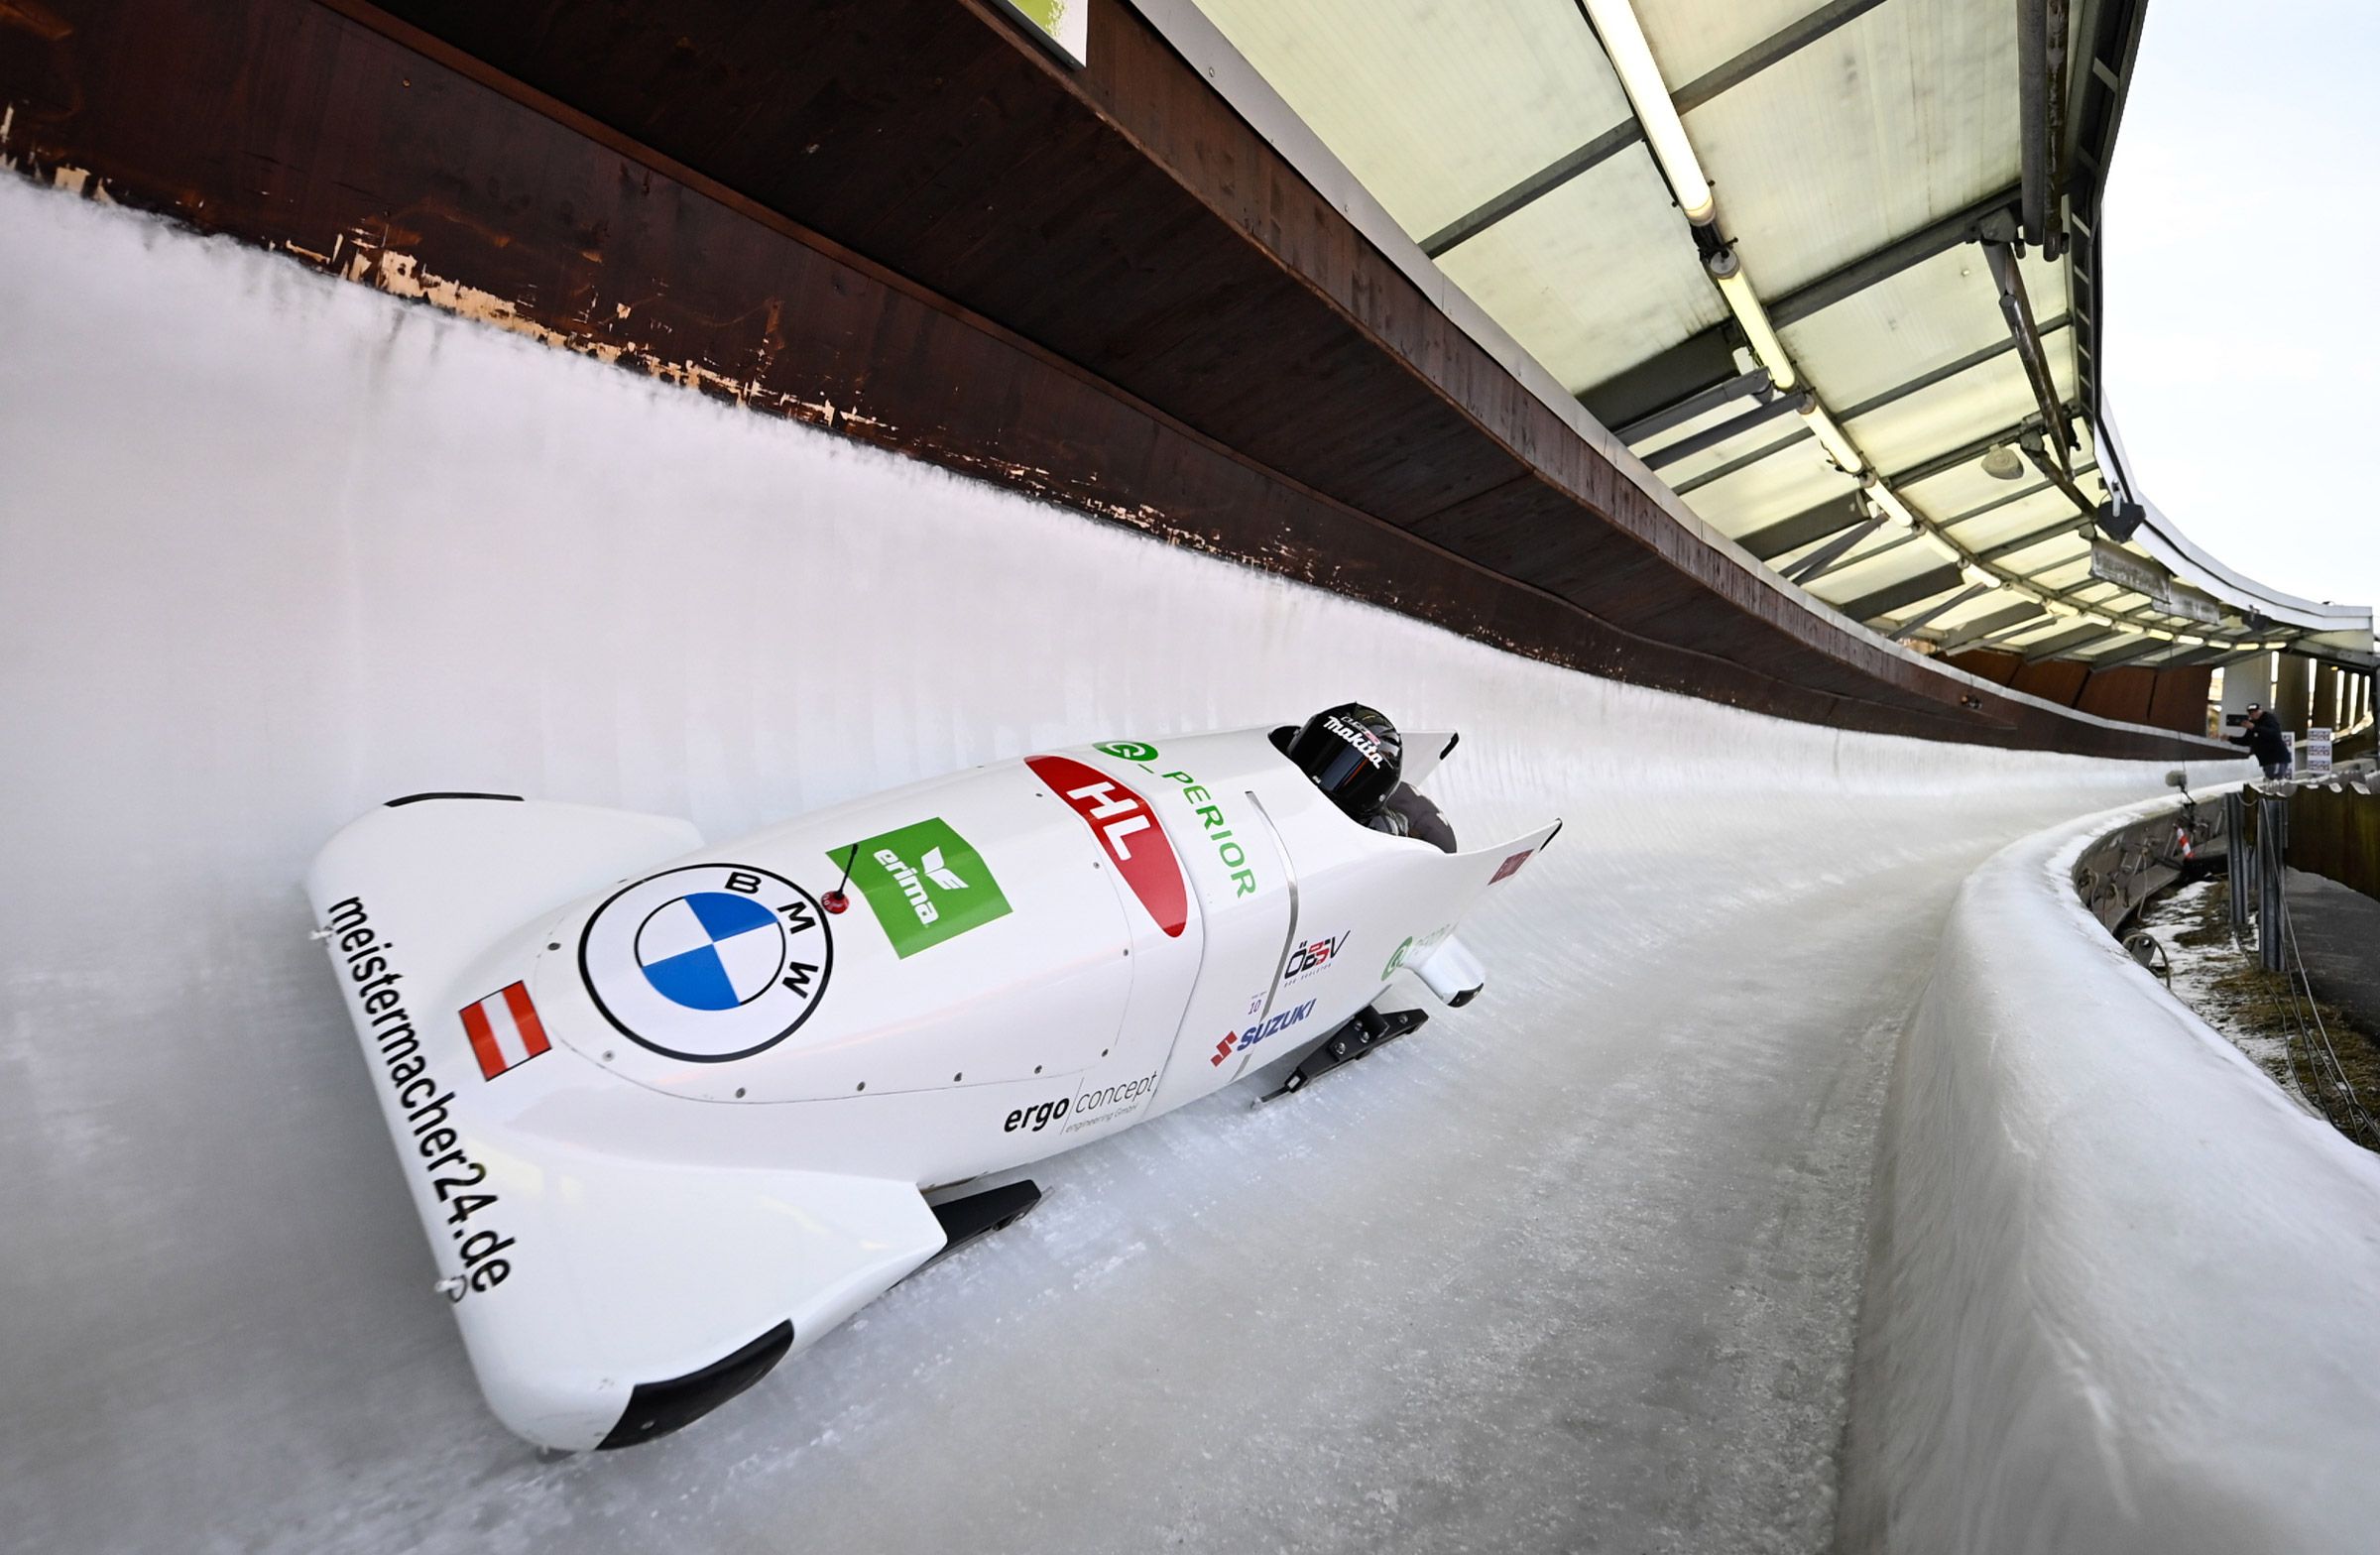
2262	823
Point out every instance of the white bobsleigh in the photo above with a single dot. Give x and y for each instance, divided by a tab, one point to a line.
670	1111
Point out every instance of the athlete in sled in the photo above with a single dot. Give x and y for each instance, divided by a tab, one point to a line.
670	1111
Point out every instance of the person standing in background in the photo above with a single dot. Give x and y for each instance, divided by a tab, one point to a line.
2266	741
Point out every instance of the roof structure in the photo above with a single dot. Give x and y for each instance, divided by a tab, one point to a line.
1830	269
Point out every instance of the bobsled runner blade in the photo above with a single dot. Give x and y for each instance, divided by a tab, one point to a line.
1366	1032
978	1215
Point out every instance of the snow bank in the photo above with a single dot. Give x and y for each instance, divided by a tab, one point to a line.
2125	1298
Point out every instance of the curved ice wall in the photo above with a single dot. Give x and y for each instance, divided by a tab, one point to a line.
273	549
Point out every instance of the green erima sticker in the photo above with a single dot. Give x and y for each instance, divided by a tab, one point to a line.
925	883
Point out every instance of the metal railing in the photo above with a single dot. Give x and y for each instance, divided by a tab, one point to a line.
2133	863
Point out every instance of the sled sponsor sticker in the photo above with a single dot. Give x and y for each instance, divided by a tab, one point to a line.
1213	822
1127	831
505	1031
424	1122
708	962
1312	956
1241	1042
925	884
1416	950
1510	866
1091	1108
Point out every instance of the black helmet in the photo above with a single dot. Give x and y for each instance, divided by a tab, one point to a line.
1352	753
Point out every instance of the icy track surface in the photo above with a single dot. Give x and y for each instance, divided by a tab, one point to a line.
1575	1267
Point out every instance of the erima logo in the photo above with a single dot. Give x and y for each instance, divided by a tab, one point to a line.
921	901
950	889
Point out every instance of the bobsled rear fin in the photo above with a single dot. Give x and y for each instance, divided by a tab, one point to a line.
443	877
1425	750
1504	859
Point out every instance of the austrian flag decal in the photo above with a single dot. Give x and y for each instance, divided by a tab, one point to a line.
504	1029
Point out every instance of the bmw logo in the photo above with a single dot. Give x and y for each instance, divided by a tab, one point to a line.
708	962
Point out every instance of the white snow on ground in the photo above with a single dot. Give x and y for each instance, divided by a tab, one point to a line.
1575	1267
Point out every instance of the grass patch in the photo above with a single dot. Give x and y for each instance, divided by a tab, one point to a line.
2233	992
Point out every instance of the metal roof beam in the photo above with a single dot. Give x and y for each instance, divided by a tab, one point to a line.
1900	633
1705	359
1696	365
2148	648
1938	237
1780	44
1950	460
2041	30
1998	622
2009	547
2068	642
1743	386
2017	308
1841	562
1818	562
1713	436
1998	503
1532	188
1747	461
1973	359
1886	600
2057	476
1831	516
1701	89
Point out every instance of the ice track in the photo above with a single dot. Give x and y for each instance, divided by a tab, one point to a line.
1577	1268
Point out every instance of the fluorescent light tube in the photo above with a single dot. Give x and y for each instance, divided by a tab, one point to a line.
1728	270
1831	439
1623	41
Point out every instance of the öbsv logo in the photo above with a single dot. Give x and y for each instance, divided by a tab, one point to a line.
1127	751
708	962
925	883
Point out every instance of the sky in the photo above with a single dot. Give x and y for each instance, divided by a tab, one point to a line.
2242	312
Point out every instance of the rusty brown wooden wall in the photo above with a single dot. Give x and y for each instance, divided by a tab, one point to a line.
2335	831
2173	698
908	223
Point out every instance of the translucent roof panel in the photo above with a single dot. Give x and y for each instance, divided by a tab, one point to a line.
1845	134
1897	566
1943	416
1594	278
1777	487
1887	123
1963	487
1975	609
1876	544
1873	341
1436	107
2045	509
1690	39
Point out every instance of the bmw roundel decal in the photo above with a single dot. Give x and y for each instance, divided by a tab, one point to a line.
708	962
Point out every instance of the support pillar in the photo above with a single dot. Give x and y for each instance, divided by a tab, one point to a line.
2293	687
